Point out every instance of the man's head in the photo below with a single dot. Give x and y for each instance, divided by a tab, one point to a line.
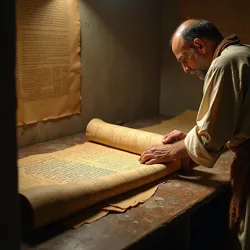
194	43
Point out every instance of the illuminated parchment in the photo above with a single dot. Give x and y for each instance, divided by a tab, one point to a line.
61	183
47	60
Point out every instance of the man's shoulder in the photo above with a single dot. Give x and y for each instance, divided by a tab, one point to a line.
232	55
235	52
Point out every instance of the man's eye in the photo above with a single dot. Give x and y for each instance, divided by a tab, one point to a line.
182	63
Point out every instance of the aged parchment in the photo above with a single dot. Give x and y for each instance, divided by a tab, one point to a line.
64	182
128	139
61	183
47	59
184	122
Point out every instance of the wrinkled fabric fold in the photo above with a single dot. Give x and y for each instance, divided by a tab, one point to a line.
240	180
227	41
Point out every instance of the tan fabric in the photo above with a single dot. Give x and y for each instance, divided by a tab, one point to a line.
224	110
224	115
240	179
230	40
244	227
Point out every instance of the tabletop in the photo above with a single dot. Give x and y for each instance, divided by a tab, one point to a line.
182	193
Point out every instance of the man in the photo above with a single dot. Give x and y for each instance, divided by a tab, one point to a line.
224	115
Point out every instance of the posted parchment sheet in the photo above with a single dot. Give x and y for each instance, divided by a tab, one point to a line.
47	59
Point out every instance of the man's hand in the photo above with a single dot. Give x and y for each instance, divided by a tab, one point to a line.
162	153
173	136
157	153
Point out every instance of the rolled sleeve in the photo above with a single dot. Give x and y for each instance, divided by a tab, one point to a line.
197	151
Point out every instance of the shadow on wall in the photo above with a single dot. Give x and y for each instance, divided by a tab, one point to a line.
229	16
179	91
125	21
120	58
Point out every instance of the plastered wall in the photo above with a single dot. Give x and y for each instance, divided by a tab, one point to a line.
129	70
180	91
120	59
230	16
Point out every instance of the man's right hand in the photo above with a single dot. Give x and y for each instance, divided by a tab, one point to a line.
173	136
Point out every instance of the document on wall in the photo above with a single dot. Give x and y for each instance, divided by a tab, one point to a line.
48	70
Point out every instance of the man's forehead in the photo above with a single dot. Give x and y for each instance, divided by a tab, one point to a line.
178	45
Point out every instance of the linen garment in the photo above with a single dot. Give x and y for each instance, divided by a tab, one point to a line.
225	107
224	119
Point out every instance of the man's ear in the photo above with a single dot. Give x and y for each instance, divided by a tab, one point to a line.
199	46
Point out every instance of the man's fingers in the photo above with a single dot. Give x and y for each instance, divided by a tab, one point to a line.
170	138
173	136
169	134
167	139
145	157
141	156
143	153
165	136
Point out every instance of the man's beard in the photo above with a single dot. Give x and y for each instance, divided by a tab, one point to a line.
199	72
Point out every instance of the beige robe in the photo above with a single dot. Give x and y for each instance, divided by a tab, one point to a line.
224	115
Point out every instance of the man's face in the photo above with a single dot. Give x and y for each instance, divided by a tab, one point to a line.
193	63
191	60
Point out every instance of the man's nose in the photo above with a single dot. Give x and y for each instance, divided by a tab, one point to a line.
186	68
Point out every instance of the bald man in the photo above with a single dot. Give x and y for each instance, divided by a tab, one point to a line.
223	118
